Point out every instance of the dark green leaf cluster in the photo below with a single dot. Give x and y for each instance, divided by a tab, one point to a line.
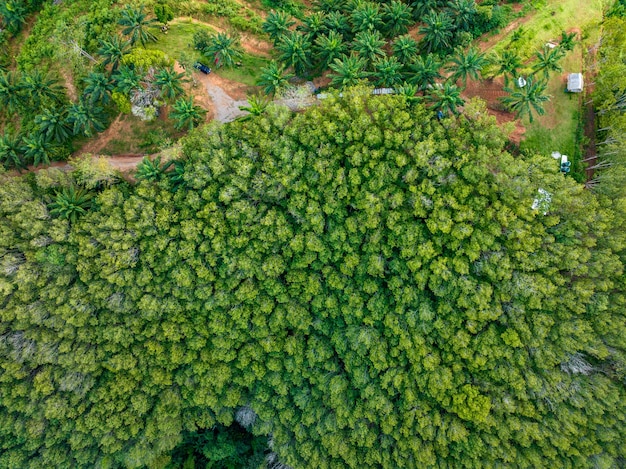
366	286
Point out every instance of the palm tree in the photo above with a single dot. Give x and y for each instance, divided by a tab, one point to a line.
169	83
508	64
369	45
409	92
257	105
152	170
295	51
405	48
98	88
437	32
277	25
329	6
223	50
366	17
422	8
70	203
313	24
336	21
425	72
10	152
349	71
328	47
13	13
41	89
11	97
387	72
85	118
466	64
464	13
273	77
52	124
177	176
112	50
36	149
445	98
186	114
548	61
567	41
528	99
397	17
126	79
136	25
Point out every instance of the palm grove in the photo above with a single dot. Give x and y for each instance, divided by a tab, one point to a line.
41	121
361	284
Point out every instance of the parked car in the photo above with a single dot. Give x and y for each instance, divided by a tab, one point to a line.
203	68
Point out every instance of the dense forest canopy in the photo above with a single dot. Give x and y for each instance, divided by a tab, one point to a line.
363	284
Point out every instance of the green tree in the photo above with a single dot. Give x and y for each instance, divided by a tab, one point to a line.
387	72
369	45
527	100
273	77
71	203
314	24
277	25
53	125
163	13
295	51
348	71
508	63
10	151
424	72
366	17
85	118
11	92
13	15
112	50
186	114
405	48
257	105
337	21
126	79
464	14
36	149
422	8
548	60
445	98
169	83
41	89
464	64
98	88
136	25
567	41
152	170
437	32
328	47
397	17
223	50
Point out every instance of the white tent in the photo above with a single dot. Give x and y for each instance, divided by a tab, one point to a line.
575	82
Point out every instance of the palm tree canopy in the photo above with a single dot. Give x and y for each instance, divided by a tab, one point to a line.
112	50
295	51
405	48
445	98
223	50
126	79
528	99
328	47
273	77
169	82
136	25
52	124
367	17
437	32
98	87
397	17
70	203
369	45
349	71
425	71
464	65
387	72
277	24
186	114
547	60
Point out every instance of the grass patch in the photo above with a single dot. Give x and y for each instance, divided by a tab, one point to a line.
249	71
549	20
137	136
558	129
179	39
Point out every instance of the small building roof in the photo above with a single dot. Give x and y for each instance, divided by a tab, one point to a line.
575	82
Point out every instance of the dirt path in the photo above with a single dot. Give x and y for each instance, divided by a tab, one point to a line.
485	42
95	145
224	95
